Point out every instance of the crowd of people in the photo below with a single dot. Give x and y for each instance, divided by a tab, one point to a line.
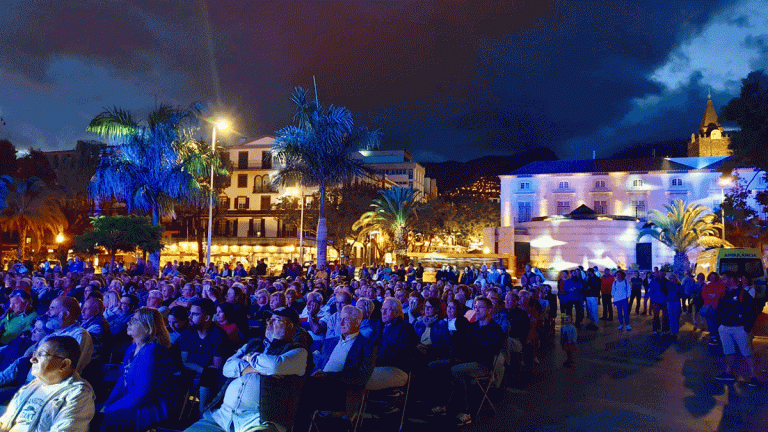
78	348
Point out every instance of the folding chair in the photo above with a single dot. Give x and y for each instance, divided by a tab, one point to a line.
363	403
485	383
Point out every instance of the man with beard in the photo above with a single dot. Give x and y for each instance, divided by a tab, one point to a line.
63	314
240	407
203	348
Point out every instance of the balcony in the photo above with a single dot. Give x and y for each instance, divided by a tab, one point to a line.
252	165
567	190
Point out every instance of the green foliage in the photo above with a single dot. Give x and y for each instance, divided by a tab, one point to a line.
750	112
31	208
683	228
8	156
395	213
473	216
744	227
120	233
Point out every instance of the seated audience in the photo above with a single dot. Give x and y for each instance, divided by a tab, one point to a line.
18	318
143	395
57	399
240	406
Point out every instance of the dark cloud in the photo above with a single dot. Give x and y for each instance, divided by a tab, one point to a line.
457	79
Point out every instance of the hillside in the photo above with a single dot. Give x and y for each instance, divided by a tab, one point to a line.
452	174
671	148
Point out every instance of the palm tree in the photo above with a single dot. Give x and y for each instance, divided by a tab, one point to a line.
315	152
395	213
32	210
148	168
683	228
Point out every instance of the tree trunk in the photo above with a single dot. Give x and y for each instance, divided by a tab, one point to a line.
22	243
155	256
321	240
112	253
681	264
199	239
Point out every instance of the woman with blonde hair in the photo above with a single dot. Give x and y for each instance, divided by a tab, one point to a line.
143	397
111	303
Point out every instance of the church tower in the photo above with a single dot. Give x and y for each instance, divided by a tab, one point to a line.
710	139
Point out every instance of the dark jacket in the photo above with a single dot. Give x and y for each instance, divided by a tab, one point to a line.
439	335
593	286
735	309
396	345
359	364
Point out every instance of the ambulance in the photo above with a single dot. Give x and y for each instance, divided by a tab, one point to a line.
749	262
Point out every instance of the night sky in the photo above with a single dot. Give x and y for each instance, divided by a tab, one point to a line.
444	79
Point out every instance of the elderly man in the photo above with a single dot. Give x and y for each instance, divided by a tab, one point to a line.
63	314
57	400
397	345
18	318
93	321
348	366
239	406
118	322
330	322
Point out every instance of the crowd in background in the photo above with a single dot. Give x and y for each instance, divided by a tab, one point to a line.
206	328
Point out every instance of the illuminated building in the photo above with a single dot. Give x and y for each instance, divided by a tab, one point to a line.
537	201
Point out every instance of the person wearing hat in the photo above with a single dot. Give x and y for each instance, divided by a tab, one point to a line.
18	318
239	406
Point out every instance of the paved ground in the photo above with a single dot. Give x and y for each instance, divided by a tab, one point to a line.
628	381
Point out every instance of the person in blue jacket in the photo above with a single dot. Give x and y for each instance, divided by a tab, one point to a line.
143	395
432	331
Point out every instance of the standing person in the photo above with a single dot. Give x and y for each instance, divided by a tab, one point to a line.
568	338
606	285
636	284
646	286
687	286
674	294
620	291
570	296
592	294
656	294
735	313
711	294
696	300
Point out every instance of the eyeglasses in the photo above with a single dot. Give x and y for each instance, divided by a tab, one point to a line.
40	354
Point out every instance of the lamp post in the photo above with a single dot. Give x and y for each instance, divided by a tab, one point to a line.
220	125
723	182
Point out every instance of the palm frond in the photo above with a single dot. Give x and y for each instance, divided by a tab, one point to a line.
113	123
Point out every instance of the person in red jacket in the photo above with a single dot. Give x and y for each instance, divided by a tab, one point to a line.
711	294
606	285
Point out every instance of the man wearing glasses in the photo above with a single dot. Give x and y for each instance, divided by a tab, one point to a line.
272	366
57	399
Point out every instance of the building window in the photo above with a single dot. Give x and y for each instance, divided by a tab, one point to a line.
242	203
266	160
563	185
639	208
563	207
223	203
637	183
266	202
601	207
410	185
242	180
677	182
410	174
524	186
242	160
523	212
600	184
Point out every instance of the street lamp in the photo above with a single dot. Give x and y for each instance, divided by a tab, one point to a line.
724	182
220	125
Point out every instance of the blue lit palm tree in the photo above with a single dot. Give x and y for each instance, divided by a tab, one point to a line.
149	167
316	152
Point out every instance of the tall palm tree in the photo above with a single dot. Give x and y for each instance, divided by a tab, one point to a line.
395	213
148	168
683	228
31	209
315	152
